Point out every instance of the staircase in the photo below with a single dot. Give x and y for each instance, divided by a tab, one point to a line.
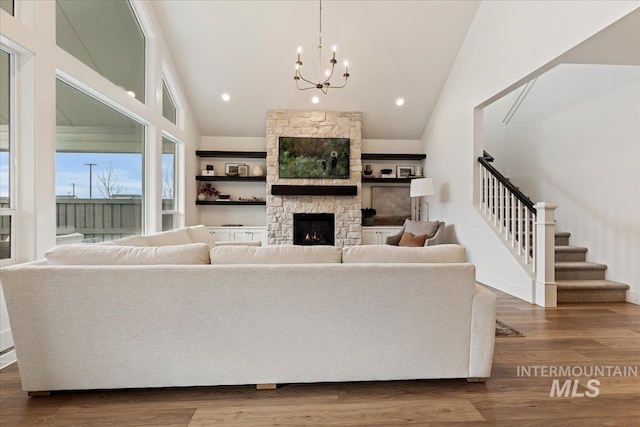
582	281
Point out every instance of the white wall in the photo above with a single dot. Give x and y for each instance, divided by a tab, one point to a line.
575	142
506	42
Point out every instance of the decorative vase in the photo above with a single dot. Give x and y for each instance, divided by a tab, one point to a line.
368	221
258	171
202	197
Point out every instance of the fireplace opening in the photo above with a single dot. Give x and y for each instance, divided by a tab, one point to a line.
314	229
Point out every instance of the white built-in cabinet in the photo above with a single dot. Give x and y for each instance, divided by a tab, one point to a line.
239	234
378	235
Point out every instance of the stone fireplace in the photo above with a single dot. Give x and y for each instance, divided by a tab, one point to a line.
313	229
345	208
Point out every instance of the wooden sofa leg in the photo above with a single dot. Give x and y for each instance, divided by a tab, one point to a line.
266	386
38	393
476	380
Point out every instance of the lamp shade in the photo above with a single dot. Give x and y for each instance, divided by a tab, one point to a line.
421	187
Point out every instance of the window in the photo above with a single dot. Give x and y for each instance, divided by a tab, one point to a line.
99	169
7	202
8	6
169	205
107	37
168	106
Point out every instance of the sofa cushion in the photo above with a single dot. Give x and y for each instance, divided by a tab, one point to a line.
130	241
179	236
422	227
409	239
200	234
238	243
278	254
196	253
398	254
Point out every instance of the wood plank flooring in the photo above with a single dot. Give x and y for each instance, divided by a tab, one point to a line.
573	334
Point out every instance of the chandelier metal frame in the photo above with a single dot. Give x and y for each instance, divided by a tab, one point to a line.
323	85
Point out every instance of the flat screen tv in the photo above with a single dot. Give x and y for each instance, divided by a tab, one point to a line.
313	157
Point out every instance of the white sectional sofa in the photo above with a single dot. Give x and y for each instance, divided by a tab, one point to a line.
256	315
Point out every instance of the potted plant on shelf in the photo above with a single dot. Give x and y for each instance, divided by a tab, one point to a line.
206	190
367	216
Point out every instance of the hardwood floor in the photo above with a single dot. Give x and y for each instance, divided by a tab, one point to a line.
582	335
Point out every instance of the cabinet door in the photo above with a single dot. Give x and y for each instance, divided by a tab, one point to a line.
369	237
249	235
258	235
220	234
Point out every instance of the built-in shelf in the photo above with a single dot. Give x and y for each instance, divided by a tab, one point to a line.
239	154
231	202
389	180
383	156
231	178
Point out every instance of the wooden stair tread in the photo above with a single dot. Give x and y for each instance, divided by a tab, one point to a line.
590	284
579	265
563	234
570	249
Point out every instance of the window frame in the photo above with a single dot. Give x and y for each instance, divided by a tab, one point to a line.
89	91
168	81
176	212
12	210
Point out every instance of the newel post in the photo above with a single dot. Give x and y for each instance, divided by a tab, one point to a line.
545	290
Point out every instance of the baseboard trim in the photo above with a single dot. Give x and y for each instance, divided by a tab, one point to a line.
633	297
7	359
511	288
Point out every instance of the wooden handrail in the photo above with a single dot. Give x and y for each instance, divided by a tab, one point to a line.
504	181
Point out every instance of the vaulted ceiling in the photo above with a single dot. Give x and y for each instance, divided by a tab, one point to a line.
395	49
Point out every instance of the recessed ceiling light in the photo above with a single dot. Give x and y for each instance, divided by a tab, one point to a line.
399	102
315	99
225	97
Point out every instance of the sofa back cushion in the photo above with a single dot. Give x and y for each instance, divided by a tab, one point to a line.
237	243
196	253
278	254
400	254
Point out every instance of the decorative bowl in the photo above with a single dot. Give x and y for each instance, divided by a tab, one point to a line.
232	174
386	171
224	196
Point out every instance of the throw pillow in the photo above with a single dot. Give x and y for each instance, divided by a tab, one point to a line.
178	236
130	241
409	239
200	234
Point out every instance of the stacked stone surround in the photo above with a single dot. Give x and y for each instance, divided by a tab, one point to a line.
280	209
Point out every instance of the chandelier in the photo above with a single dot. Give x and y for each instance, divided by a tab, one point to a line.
323	85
